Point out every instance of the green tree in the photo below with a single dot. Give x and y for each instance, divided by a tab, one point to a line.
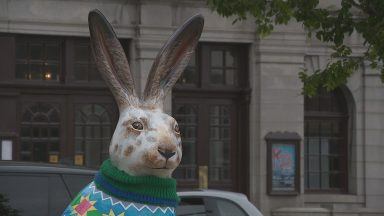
5	209
330	25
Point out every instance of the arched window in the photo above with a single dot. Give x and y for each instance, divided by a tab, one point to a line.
93	132
326	141
40	133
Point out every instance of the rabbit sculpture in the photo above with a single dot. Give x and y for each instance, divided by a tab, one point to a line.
146	145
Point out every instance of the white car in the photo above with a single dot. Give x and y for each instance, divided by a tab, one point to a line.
215	203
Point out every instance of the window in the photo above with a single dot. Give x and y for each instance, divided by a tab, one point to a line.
93	133
223	66
50	194
38	58
81	63
219	140
215	66
59	59
186	116
190	76
191	206
84	68
40	133
62	112
326	142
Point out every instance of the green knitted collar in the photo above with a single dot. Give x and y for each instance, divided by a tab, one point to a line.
163	188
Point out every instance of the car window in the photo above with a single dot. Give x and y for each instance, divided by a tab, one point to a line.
208	206
76	183
35	194
58	195
190	206
223	207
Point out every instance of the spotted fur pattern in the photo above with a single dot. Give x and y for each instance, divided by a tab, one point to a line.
136	151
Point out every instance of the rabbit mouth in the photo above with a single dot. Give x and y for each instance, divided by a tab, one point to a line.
165	167
160	168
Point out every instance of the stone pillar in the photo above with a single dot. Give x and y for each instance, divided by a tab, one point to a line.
373	138
151	34
278	106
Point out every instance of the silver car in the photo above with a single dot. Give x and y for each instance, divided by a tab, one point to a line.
215	203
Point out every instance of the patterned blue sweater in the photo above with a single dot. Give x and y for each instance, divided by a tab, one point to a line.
114	192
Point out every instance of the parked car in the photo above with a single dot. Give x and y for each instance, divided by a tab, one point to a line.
215	203
46	189
41	189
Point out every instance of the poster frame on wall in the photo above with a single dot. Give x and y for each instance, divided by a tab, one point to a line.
283	163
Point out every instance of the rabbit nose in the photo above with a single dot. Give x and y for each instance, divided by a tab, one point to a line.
166	153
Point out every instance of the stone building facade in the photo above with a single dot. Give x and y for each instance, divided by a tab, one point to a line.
237	89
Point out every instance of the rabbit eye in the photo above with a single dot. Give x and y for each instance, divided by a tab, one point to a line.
177	129
137	125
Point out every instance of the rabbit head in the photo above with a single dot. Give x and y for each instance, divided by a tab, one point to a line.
146	141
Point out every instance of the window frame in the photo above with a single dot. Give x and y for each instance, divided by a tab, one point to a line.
109	110
202	56
70	47
38	38
65	93
66	78
78	100
343	117
69	61
26	100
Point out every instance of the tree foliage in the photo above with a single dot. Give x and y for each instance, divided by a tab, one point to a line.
5	209
330	25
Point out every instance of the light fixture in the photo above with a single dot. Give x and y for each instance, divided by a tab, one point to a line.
47	74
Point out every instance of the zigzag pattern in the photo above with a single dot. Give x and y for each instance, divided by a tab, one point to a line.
130	204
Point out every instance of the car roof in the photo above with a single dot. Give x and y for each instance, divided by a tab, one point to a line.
33	167
238	198
213	193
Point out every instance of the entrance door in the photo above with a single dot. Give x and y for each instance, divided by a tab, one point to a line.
209	140
209	103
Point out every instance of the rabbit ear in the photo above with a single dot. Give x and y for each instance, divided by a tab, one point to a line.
111	61
172	60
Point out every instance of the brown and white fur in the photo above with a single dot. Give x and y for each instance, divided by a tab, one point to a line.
146	141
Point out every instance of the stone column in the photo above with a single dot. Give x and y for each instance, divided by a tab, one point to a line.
278	105
373	124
